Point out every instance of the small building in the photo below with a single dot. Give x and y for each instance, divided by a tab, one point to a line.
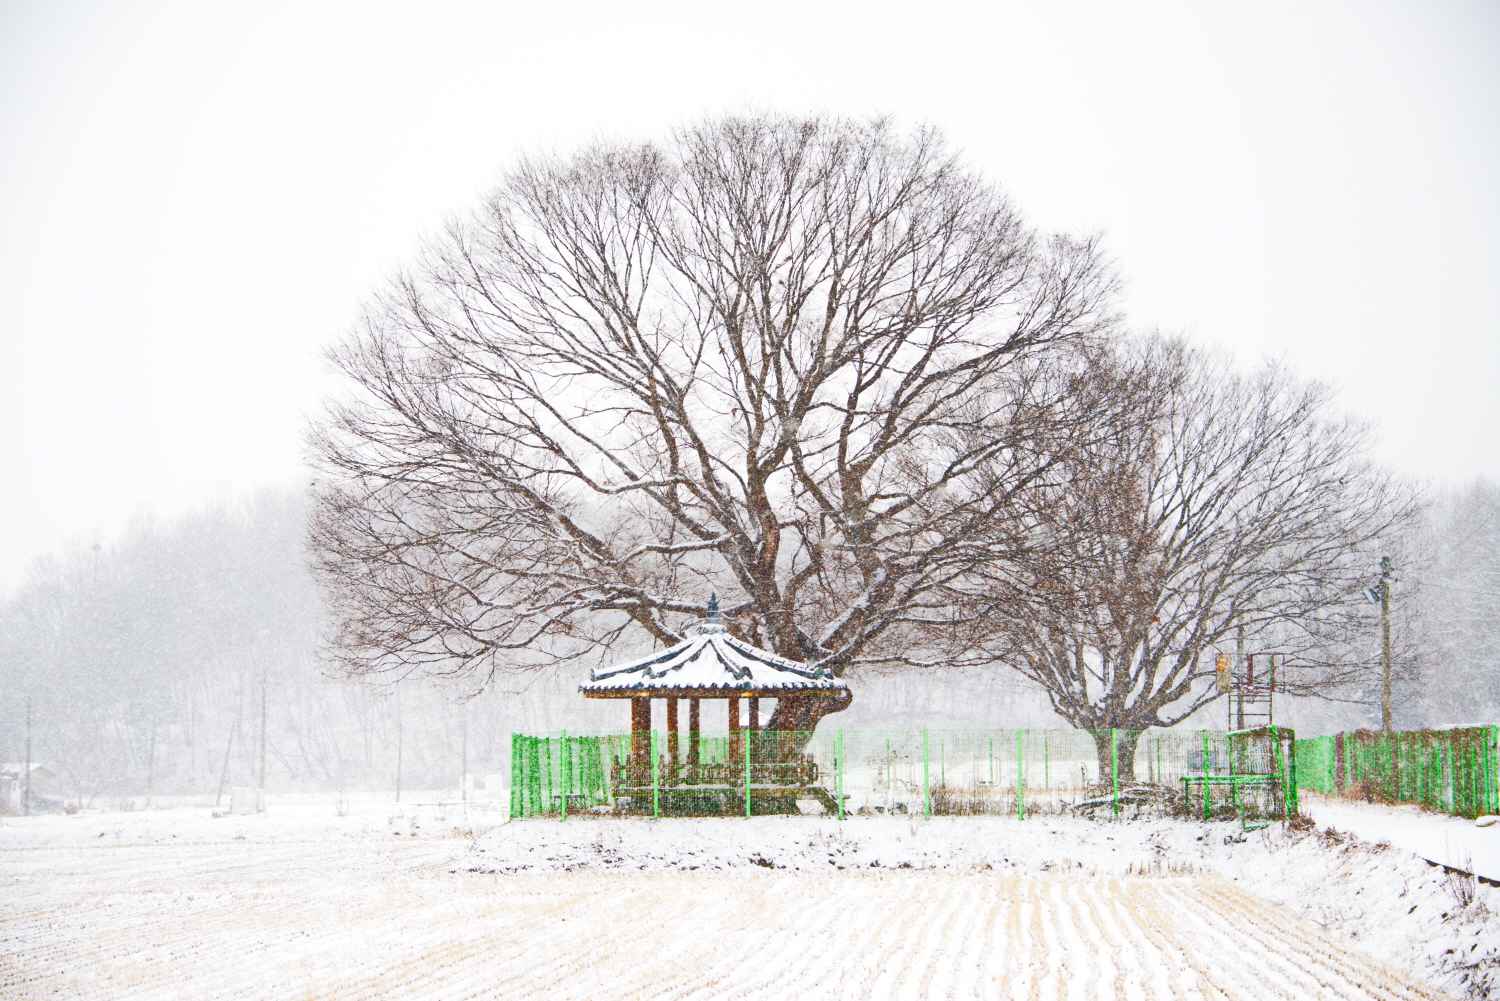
711	665
13	789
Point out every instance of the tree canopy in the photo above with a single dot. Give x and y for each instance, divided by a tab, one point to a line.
1237	508
818	367
814	365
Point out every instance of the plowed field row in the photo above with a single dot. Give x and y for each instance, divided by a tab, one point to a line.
365	919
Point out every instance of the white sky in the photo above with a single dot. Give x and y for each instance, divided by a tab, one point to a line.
194	197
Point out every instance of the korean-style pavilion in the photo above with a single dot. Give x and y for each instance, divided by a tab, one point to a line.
712	665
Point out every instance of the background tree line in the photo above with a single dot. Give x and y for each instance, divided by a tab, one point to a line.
144	663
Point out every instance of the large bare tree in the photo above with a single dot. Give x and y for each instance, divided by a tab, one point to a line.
813	365
1236	505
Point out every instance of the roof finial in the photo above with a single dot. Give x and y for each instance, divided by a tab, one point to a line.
712	622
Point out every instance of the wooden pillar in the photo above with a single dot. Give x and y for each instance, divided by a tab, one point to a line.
695	725
736	750
671	735
640	740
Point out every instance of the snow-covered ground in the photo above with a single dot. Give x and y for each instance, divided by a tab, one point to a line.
1451	841
439	901
289	818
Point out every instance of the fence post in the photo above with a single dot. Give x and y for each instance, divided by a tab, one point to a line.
586	784
566	760
535	787
840	787
1396	796
1296	790
1205	774
926	786
1490	769
1114	766
515	773
655	780
555	754
1276	763
536	751
747	778
1020	776
1492	766
1445	762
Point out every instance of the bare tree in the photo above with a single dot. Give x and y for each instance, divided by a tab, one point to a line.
809	364
1236	503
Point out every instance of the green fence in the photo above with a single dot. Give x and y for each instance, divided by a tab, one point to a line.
555	774
1106	773
1452	771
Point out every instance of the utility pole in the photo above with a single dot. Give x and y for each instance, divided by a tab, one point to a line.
1385	642
260	797
1239	665
150	761
27	794
224	772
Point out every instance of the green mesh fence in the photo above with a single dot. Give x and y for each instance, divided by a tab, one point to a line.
555	774
1105	773
1451	771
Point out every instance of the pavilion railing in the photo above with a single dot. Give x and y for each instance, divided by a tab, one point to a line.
1107	773
1453	771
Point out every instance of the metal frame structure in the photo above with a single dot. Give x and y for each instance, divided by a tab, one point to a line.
1252	690
1256	779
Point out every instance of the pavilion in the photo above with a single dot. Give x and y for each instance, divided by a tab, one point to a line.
710	664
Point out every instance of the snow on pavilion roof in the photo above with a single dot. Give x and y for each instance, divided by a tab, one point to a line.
711	661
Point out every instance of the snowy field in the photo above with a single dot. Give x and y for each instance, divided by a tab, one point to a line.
419	902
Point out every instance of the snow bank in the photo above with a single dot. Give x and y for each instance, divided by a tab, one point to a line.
1384	900
1450	841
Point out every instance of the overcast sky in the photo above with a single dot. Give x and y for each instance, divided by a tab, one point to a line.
195	197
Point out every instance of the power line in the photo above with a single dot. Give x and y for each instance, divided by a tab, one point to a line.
1477	528
1466	590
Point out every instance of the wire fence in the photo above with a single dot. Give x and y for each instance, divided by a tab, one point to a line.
1451	771
1106	773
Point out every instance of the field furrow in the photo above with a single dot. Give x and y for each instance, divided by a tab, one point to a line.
366	920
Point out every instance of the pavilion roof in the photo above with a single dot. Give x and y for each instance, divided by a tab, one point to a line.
712	661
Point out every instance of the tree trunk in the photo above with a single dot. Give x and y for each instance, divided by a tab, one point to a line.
1116	749
797	716
640	741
